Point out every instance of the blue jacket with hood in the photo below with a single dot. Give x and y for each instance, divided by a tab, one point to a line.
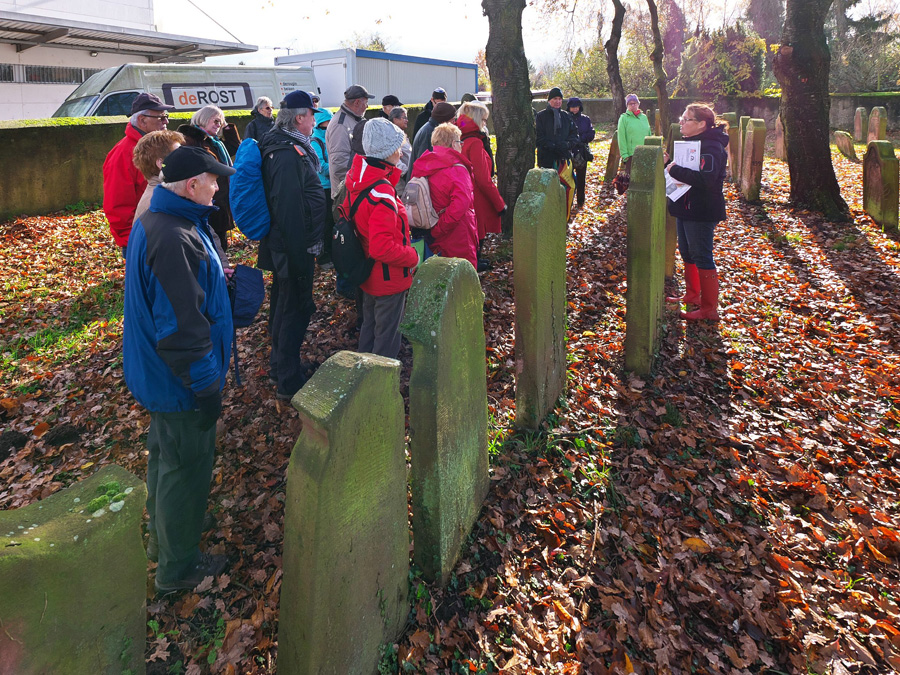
178	326
318	144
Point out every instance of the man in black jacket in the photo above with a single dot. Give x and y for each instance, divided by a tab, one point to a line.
556	134
297	208
437	96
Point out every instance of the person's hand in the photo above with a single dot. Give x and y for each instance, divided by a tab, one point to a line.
210	408
665	157
504	209
228	272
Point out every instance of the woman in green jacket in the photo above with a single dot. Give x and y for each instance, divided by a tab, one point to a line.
634	127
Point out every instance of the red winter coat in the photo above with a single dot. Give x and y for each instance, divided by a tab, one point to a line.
123	185
488	202
450	181
382	225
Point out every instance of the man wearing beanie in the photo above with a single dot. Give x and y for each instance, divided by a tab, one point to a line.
556	134
380	220
442	112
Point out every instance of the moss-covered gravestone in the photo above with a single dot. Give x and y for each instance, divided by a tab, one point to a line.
671	225
752	152
646	258
734	146
880	184
346	531
73	580
860	125
449	480
780	147
674	135
877	124
844	143
613	159
539	262
658	124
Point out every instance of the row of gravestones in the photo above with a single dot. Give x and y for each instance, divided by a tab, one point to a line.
867	127
72	567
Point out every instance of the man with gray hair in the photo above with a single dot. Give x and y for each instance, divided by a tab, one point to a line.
290	172
123	184
340	129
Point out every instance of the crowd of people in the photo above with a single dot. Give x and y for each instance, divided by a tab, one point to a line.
166	196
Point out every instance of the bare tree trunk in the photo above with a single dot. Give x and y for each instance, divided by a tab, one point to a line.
657	56
511	95
616	88
801	67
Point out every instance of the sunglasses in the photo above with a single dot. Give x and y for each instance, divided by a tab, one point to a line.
164	116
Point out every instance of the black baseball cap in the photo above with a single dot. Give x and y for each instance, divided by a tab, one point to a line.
145	101
189	161
390	99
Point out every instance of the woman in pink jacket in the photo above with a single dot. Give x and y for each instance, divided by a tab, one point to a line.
489	205
449	176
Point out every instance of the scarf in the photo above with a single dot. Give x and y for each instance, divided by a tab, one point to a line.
306	144
557	123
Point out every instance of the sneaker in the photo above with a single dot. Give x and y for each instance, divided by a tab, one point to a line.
209	522
483	265
207	565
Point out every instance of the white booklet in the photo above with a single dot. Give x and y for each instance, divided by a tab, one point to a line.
686	154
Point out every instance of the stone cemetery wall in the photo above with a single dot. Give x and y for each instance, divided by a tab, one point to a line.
877	125
346	532
449	480
734	146
73	580
539	261
861	125
881	184
844	143
646	259
752	153
613	159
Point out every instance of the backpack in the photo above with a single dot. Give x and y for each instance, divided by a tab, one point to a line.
347	254
247	196
246	293
417	200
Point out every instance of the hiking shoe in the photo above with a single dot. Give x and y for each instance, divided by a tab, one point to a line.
483	265
207	565
209	522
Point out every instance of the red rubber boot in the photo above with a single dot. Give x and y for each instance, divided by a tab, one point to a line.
709	298
691	286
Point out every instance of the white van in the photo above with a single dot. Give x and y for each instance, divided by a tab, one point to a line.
185	86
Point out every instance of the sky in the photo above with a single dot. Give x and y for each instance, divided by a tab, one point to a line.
454	31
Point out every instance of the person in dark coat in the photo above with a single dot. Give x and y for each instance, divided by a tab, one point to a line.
700	208
556	134
443	112
262	120
296	199
581	154
388	103
437	95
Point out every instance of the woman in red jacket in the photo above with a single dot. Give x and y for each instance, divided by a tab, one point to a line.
489	205
449	176
383	227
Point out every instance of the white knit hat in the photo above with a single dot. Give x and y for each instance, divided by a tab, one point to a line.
381	138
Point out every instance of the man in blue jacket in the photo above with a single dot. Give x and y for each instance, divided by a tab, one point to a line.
176	344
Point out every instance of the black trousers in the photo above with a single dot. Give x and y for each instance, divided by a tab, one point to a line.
291	308
580	178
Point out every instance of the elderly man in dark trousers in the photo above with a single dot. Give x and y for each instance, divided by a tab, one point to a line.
176	343
290	170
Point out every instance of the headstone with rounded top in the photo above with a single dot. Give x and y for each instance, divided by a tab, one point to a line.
753	151
444	321
881	184
877	124
613	159
844	143
860	125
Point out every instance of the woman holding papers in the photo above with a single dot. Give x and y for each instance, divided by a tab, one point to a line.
699	209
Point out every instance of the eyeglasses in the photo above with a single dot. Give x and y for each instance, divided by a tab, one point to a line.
459	143
164	116
267	107
682	120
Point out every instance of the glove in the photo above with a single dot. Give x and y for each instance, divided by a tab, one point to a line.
210	408
503	210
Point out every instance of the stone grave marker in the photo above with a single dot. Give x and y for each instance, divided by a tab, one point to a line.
346	532
734	146
613	159
844	143
780	147
657	122
752	152
860	125
671	225
449	480
73	580
674	135
539	261
646	259
881	184
877	124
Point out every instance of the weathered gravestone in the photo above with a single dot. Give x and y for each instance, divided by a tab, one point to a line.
860	125
881	184
734	146
752	152
844	143
539	262
444	321
613	159
671	224
780	147
346	532
742	136
646	259
674	135
877	124
658	124
73	580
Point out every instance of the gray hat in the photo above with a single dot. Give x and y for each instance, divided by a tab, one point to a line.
381	138
356	91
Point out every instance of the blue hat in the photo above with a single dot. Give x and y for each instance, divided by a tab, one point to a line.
299	99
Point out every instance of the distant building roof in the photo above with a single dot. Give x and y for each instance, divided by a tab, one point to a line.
26	31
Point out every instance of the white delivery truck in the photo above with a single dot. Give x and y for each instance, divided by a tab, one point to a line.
185	86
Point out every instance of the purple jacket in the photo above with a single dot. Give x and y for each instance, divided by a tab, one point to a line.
582	122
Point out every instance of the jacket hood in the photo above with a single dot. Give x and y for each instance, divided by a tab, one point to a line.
322	116
166	201
573	102
467	125
275	139
714	135
365	170
194	133
440	158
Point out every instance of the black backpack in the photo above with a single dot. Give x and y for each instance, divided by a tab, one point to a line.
350	261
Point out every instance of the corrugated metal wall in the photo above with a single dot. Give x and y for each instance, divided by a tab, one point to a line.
413	82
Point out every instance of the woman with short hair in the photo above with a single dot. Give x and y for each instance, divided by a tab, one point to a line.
262	119
148	156
633	128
